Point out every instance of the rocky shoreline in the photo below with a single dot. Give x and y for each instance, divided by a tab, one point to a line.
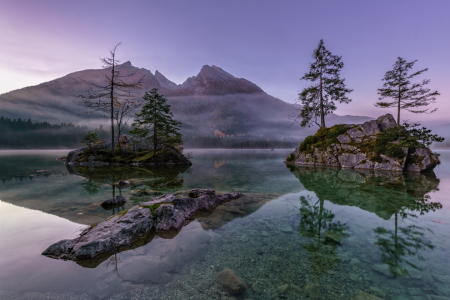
353	146
84	157
163	213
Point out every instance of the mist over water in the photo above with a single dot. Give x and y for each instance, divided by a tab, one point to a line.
271	236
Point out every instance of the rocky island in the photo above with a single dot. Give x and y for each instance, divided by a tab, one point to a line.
378	145
122	230
132	151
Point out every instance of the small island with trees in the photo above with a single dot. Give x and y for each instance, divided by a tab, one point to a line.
383	144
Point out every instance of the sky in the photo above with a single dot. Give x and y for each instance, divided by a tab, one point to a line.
267	42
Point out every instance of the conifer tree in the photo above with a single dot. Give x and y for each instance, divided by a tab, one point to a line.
155	121
319	99
405	95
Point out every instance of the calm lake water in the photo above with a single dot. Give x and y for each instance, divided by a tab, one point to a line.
297	233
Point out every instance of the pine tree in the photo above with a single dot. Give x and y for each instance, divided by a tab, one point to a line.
406	95
319	99
155	122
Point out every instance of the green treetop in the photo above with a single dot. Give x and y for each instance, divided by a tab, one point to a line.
327	87
404	94
155	122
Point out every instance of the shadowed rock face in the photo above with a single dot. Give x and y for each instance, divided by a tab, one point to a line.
383	193
354	150
120	231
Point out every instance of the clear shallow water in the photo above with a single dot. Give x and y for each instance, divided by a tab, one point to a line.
394	230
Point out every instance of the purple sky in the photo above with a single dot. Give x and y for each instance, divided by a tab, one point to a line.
267	42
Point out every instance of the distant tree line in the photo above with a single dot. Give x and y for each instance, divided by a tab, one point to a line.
25	134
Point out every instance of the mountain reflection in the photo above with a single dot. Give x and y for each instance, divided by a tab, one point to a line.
388	195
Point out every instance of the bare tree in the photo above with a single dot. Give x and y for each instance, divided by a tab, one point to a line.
121	109
114	97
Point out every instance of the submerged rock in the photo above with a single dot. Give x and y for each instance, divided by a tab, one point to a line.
360	295
123	183
120	231
231	281
353	146
116	201
312	290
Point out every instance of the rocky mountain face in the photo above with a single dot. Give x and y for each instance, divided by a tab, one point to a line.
373	145
213	102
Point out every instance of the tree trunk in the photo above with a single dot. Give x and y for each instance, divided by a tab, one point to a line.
112	110
398	111
154	131
399	98
322	117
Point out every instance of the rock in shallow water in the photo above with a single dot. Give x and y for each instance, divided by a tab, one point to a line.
360	295
231	281
116	201
312	290
123	229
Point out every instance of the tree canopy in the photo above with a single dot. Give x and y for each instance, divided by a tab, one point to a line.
404	94
327	87
155	122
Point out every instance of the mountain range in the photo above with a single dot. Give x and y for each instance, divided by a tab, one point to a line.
213	102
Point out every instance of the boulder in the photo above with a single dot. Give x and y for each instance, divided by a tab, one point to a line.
108	236
116	201
386	121
123	229
355	133
231	282
370	127
344	138
350	160
421	159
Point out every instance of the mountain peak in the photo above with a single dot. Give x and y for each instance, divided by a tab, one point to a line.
164	82
214	72
126	64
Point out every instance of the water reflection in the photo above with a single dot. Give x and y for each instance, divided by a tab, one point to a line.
389	195
317	224
383	193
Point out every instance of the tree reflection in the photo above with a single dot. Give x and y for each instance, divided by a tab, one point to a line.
91	186
317	224
388	195
403	241
398	246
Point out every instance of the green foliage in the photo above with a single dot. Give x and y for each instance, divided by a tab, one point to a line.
323	138
155	122
90	138
391	141
327	87
423	135
404	94
290	157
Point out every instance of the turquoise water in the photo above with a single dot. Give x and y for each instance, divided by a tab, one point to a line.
340	231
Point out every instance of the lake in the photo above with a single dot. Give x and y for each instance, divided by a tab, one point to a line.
297	233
